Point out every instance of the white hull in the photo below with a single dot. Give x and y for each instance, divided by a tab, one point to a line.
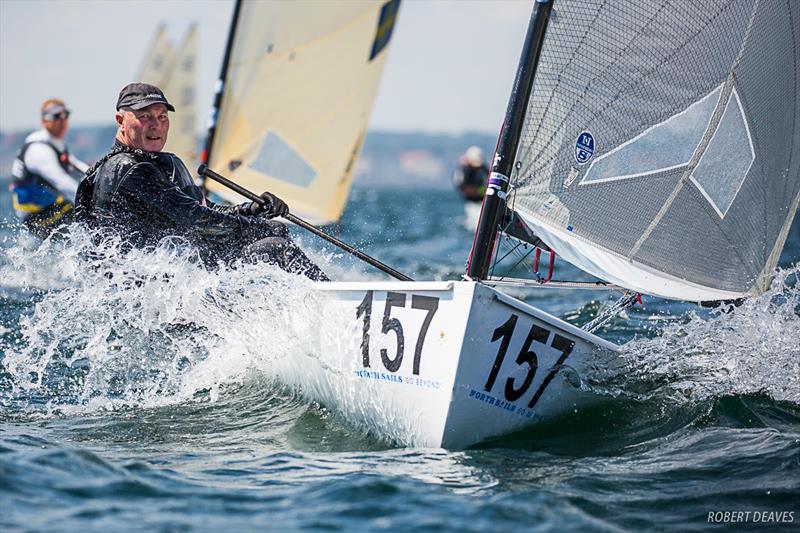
440	364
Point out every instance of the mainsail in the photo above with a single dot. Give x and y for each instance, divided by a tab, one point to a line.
298	90
661	145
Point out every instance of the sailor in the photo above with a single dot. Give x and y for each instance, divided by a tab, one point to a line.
45	175
471	175
146	194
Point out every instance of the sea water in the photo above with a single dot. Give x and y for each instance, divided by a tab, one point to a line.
136	393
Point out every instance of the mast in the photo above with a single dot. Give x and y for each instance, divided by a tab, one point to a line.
220	85
495	199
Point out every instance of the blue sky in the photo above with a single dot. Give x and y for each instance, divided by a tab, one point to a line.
450	69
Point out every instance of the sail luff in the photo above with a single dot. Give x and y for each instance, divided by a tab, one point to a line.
219	87
495	198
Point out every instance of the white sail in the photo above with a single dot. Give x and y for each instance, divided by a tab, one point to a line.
179	88
661	146
300	84
175	73
155	64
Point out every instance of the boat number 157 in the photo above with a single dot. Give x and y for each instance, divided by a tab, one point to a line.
514	391
395	299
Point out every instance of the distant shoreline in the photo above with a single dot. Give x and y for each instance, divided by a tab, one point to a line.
389	159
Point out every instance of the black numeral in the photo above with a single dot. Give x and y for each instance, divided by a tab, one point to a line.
528	357
365	308
430	304
505	331
565	346
393	299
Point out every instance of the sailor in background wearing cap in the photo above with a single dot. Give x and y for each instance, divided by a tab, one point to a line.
45	175
146	195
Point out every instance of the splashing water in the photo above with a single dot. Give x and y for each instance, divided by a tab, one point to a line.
143	328
752	348
106	329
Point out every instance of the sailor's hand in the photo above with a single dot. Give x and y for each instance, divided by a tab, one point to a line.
272	207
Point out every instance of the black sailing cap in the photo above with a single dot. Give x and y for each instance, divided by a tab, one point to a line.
140	95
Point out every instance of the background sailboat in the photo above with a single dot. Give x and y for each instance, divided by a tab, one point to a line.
295	93
157	59
175	72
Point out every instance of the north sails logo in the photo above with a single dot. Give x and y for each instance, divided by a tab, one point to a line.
584	147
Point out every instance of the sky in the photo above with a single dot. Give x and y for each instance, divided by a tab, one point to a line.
450	69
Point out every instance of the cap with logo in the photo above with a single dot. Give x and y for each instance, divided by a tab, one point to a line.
140	95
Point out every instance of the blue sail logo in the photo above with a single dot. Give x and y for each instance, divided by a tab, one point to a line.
584	147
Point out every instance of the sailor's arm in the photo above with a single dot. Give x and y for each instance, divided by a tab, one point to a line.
270	207
42	159
146	184
77	163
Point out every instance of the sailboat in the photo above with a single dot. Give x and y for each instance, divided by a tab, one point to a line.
654	144
292	104
175	72
154	67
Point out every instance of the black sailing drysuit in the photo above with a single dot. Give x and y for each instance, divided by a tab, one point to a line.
147	196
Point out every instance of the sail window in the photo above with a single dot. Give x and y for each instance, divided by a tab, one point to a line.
664	146
278	159
724	165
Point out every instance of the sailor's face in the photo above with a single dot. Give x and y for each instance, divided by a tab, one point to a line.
144	128
57	127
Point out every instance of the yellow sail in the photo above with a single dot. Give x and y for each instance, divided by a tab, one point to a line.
179	88
155	64
299	87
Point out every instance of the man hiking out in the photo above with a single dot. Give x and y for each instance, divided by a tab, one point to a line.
147	195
